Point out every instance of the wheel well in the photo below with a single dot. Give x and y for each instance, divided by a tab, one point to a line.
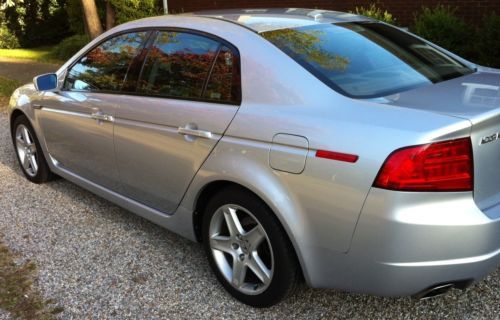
15	114
207	193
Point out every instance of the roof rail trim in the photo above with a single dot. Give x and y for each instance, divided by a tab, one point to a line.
230	21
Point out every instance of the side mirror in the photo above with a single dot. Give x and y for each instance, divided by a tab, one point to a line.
46	82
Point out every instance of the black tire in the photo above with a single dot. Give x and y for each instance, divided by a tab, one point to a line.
43	173
286	275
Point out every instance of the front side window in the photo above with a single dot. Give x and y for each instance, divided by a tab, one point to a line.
105	67
366	59
178	65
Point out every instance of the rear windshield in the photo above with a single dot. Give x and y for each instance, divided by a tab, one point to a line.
366	59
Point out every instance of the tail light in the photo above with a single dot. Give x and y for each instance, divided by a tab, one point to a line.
440	166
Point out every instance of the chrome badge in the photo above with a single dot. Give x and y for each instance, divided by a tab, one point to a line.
490	138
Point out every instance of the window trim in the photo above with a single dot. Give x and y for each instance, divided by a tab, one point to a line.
210	71
153	32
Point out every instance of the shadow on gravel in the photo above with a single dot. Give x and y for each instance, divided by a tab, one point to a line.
9	159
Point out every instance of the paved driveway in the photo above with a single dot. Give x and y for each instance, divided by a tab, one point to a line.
24	70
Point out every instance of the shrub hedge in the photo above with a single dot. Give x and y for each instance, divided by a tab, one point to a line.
69	46
375	12
7	39
441	26
489	41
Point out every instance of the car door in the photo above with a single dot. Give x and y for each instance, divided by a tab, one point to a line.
186	96
77	122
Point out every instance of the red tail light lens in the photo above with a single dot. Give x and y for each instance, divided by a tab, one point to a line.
441	166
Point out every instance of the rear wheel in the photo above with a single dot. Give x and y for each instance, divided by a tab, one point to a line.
28	151
248	249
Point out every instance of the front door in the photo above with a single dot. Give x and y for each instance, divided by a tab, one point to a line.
188	93
78	121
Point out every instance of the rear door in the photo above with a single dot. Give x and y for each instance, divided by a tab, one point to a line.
186	95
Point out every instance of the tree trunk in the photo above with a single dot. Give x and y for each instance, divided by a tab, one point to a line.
110	16
92	18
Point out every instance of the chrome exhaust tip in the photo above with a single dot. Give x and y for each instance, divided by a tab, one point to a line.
436	291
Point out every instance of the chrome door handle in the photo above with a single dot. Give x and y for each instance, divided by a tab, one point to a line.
194	133
102	117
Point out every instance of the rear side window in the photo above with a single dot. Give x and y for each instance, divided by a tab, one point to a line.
224	82
191	66
366	59
178	65
105	67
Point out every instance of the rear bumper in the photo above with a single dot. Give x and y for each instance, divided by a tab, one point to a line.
405	243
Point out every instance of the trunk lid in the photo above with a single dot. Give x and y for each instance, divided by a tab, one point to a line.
475	97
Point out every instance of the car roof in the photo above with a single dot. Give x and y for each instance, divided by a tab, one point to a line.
262	20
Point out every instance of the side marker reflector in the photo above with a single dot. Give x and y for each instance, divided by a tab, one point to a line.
344	157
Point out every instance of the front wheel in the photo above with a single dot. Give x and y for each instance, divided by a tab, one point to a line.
248	249
29	152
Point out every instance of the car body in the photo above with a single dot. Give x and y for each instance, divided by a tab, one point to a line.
310	152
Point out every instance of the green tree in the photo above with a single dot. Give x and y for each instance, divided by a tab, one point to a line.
112	12
36	22
91	16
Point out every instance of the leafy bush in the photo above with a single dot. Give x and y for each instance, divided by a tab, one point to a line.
128	10
69	46
441	26
375	12
7	39
489	41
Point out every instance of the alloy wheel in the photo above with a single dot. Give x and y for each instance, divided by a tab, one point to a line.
241	249
26	150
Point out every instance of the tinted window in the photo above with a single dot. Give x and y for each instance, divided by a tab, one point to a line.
178	65
105	67
224	82
366	60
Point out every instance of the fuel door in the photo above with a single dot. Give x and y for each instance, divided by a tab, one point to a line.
288	153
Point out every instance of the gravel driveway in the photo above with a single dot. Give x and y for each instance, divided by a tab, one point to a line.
102	262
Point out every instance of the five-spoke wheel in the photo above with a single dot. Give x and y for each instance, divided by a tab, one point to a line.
28	151
241	249
248	249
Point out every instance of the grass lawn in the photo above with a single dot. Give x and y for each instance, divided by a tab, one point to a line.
42	54
7	86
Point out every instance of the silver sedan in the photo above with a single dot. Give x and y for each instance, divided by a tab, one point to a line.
294	144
